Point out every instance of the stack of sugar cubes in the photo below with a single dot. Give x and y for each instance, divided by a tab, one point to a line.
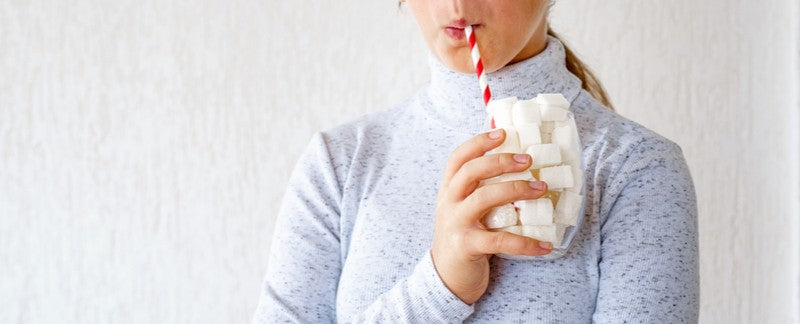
545	129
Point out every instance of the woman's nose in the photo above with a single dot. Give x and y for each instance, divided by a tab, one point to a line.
456	7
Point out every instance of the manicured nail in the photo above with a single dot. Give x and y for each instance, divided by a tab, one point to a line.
521	158
495	134
546	245
537	185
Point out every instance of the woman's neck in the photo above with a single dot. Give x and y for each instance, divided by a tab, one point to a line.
457	100
535	46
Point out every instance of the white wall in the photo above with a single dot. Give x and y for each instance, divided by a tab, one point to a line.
145	145
721	79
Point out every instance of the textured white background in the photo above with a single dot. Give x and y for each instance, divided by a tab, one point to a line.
145	145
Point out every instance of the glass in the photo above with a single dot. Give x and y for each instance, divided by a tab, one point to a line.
544	128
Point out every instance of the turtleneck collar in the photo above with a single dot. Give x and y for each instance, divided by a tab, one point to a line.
456	98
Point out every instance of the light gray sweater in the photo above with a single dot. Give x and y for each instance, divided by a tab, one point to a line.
353	234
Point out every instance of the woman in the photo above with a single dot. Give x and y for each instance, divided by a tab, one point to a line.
380	221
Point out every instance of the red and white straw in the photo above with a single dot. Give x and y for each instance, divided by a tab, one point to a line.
476	60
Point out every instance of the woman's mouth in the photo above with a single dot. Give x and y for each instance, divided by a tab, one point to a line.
455	33
455	29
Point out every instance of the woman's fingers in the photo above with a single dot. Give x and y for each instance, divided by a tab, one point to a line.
473	148
488	242
471	173
496	194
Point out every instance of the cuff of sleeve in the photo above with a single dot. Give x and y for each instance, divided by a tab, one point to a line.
426	282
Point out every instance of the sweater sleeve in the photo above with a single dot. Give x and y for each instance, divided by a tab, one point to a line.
649	255
305	258
421	297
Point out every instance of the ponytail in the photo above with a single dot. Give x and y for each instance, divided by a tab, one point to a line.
589	81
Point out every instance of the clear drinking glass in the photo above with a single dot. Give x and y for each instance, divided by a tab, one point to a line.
544	128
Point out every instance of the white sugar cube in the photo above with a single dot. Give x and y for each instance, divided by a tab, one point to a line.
553	106
544	155
528	135
552	99
501	216
552	113
535	211
557	177
510	144
525	112
567	208
510	176
577	177
565	138
500	110
544	233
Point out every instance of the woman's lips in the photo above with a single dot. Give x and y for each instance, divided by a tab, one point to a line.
457	32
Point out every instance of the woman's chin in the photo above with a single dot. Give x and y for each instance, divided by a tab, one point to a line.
461	61
458	63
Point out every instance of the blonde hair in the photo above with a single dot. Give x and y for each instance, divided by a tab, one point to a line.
589	81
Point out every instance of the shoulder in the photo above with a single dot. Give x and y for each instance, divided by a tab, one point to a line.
615	141
600	125
369	126
343	145
366	131
623	154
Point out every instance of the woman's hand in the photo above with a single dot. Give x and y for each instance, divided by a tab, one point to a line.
461	244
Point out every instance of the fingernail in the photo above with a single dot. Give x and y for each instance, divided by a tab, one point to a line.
495	134
537	185
546	245
521	158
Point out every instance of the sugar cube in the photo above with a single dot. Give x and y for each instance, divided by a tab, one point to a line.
552	113
510	144
577	177
528	135
535	211
552	99
500	110
544	233
557	177
544	155
567	208
565	138
525	112
545	129
553	106
501	216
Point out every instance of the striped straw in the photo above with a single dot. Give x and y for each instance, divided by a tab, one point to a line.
476	60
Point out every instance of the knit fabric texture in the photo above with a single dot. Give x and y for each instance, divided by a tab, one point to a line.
353	234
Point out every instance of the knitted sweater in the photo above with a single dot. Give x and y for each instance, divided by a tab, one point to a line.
353	234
